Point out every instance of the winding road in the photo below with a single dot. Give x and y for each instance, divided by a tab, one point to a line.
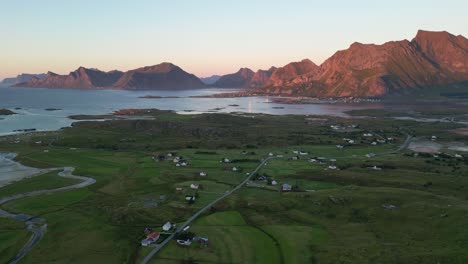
38	226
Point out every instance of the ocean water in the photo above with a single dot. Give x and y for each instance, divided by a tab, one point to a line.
31	105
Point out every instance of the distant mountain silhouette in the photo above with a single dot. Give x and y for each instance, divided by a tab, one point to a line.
24	77
210	80
431	59
161	76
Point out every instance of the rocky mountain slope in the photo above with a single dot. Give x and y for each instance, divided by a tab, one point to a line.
368	70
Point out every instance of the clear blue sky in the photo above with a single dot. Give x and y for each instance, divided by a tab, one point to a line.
205	36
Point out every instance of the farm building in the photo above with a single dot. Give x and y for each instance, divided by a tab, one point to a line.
150	239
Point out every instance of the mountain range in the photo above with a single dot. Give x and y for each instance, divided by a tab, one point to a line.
24	77
162	76
431	59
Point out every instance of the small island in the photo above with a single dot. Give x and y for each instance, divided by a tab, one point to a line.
5	112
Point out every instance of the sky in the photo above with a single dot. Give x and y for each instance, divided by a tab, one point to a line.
205	37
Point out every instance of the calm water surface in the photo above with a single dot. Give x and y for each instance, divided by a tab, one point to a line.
30	104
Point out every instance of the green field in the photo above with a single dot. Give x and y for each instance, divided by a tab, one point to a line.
413	210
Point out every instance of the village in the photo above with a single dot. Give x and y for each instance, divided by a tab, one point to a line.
193	191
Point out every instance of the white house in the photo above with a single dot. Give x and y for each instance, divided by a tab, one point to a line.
234	168
167	226
203	174
303	153
273	182
194	186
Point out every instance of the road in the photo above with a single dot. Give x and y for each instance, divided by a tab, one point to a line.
158	247
36	225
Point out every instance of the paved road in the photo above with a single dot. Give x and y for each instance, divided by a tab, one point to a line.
400	148
36	225
158	247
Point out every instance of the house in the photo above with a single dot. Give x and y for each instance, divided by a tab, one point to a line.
381	140
294	158
286	187
295	151
167	226
375	168
303	153
374	143
339	146
150	239
235	169
169	154
203	174
270	154
178	189
433	138
313	160
367	134
351	141
458	156
273	182
194	186
181	164
332	167
333	160
190	198
370	155
176	159
226	160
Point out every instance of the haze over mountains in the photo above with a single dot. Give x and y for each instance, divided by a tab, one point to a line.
363	70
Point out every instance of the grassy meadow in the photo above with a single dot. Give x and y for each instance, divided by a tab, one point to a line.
413	209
